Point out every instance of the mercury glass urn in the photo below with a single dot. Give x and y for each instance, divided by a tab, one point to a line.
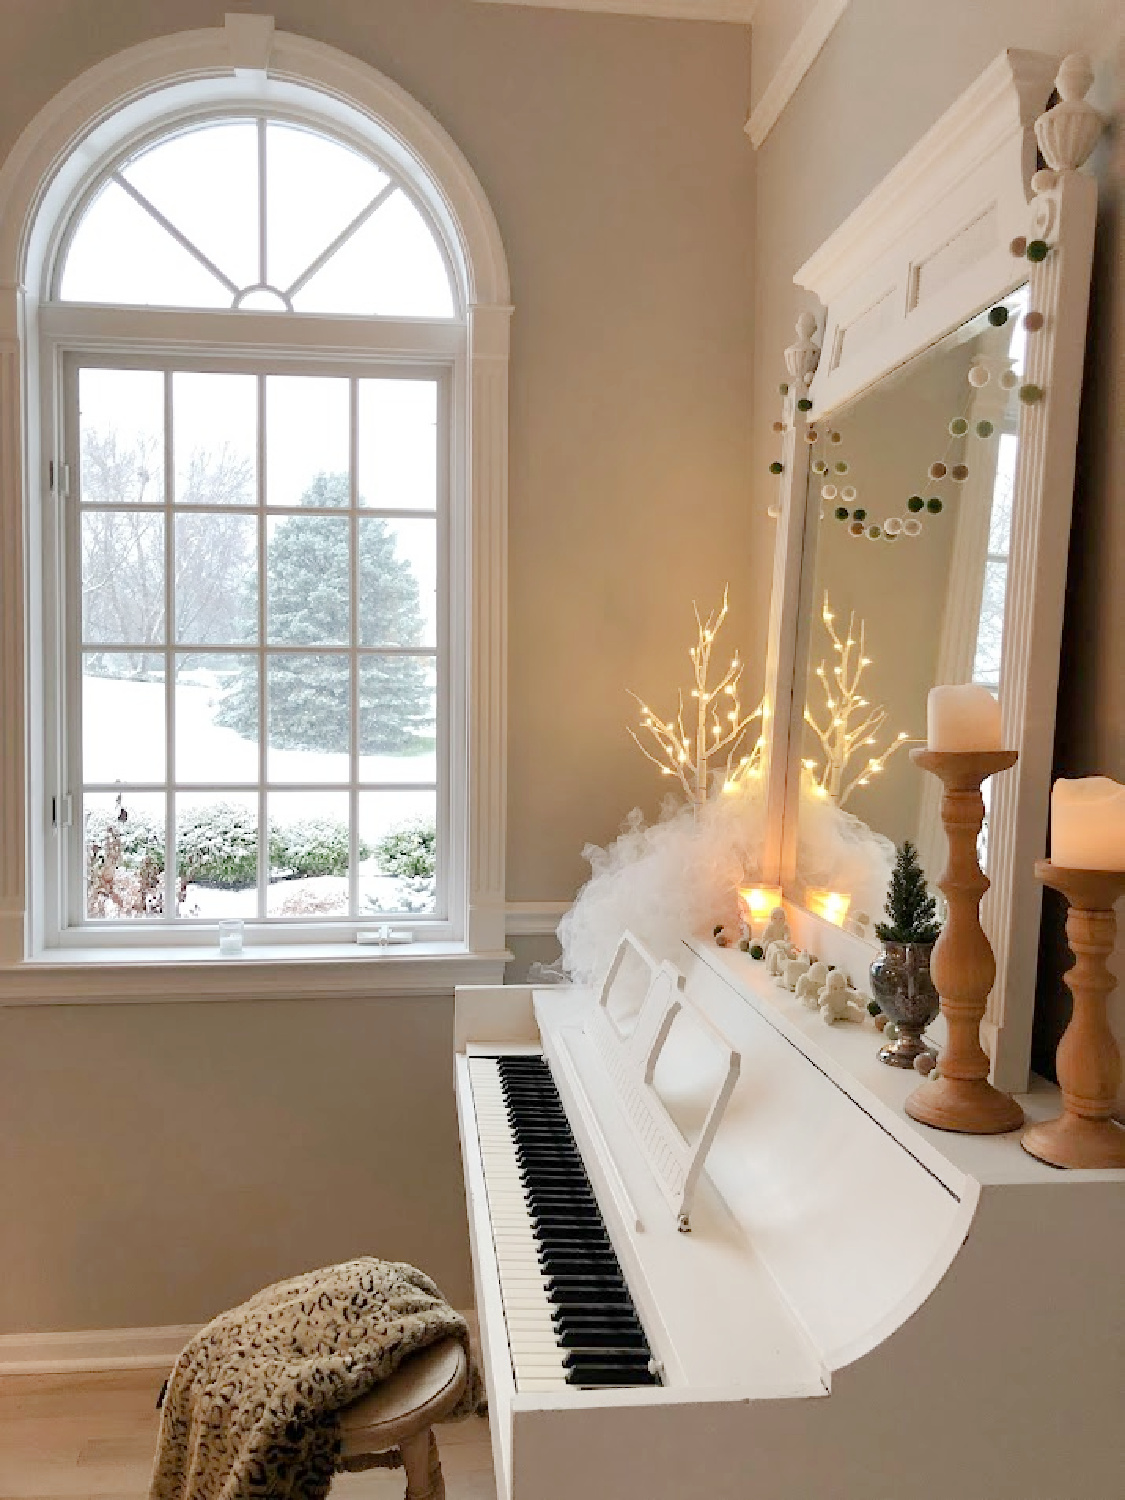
901	983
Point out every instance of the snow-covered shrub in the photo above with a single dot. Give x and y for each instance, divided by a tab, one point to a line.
314	846
414	893
218	845
410	849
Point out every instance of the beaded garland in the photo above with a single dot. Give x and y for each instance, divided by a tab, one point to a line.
959	427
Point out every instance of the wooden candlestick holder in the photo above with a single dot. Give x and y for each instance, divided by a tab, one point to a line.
1088	1060
963	965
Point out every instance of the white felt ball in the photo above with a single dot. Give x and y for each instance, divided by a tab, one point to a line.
912	527
848	493
892	525
828	492
978	375
1008	380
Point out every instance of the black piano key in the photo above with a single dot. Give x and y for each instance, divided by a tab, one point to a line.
613	1359
595	1377
590	1339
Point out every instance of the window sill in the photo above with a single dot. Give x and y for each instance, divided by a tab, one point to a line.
118	976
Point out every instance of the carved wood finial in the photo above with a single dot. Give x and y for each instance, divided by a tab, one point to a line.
802	358
1069	130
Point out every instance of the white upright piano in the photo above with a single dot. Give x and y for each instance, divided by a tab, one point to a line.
857	1308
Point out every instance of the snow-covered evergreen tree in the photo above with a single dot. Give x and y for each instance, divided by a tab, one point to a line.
308	602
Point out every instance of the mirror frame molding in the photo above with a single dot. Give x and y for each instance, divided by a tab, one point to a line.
928	248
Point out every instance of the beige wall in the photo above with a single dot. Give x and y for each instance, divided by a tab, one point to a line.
157	1162
886	73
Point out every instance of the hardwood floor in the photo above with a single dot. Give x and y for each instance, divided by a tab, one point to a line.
92	1437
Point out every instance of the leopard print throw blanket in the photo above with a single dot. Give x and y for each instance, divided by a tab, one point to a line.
252	1408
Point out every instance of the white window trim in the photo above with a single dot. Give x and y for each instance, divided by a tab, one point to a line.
273	349
245	64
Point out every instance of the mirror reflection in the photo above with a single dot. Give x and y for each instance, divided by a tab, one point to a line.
914	483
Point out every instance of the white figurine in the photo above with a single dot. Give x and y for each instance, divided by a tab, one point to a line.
777	929
810	985
838	1001
794	969
779	952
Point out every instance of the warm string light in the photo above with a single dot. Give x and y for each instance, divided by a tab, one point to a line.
848	727
687	754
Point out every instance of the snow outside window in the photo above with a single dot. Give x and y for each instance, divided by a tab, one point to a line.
258	643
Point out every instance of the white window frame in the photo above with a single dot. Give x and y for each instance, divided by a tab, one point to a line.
241	67
64	887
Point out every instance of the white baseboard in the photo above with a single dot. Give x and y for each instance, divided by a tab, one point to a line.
92	1349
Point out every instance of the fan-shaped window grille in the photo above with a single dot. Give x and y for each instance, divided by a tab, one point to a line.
256	214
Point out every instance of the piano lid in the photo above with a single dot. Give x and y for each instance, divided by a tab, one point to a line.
854	1230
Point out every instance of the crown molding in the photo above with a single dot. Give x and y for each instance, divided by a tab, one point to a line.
793	66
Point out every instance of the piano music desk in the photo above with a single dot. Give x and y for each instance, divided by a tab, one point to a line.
866	1308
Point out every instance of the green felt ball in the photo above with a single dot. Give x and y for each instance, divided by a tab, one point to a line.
776	467
874	532
841	466
820	467
1030	394
915	503
861	514
998	316
985	429
757	951
958	427
744	945
804	404
1037	250
783	389
933	505
841	512
873	1007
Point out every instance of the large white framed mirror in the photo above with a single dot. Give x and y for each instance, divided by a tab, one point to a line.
928	444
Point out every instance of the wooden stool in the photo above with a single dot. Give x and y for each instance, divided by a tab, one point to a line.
400	1412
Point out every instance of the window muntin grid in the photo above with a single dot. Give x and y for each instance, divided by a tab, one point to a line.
147	634
259	214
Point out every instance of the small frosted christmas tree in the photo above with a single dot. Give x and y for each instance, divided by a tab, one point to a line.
911	908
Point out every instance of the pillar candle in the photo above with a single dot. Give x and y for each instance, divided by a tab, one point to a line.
1088	824
963	717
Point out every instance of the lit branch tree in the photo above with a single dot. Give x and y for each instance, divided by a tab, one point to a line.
852	724
720	725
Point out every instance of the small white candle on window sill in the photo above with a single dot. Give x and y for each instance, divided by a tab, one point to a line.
230	938
962	717
1088	824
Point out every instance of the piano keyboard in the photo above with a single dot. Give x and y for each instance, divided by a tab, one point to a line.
569	1315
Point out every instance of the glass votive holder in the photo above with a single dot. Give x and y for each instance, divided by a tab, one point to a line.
230	938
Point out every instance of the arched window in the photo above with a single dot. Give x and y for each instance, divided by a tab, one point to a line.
256	213
258	331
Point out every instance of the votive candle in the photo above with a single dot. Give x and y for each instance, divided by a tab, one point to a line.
964	716
1088	824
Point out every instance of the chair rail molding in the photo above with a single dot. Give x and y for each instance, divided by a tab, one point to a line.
740	11
103	112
